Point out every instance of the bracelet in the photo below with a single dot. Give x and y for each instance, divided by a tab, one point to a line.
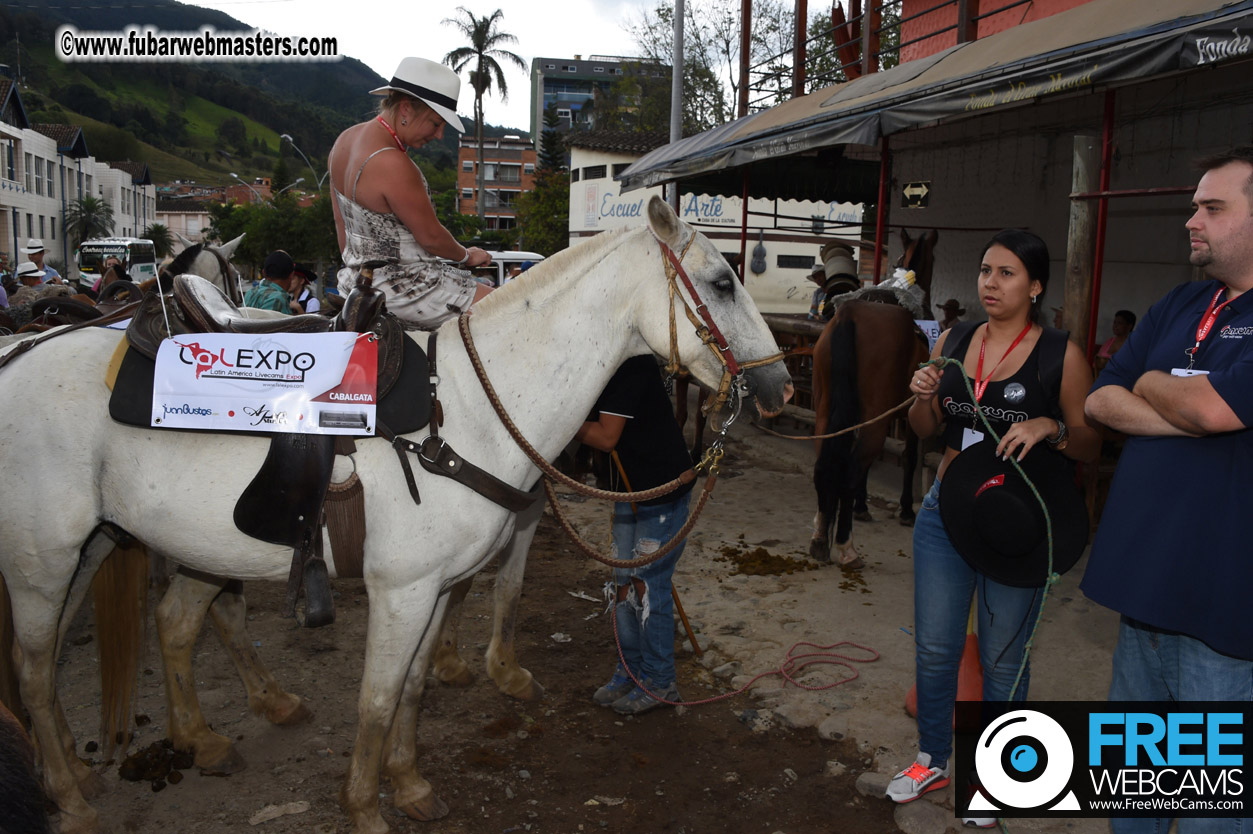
464	258
1062	434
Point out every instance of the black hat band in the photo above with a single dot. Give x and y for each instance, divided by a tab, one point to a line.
424	93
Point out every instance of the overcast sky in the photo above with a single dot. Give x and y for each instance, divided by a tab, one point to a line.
380	33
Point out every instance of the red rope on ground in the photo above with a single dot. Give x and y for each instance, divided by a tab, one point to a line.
791	666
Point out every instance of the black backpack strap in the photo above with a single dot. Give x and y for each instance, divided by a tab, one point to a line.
1052	358
958	335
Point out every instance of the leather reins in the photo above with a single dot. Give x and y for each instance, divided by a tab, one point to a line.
709	335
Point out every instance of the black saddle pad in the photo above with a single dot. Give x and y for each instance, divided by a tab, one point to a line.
405	408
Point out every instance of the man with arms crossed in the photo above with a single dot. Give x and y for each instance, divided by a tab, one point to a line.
1171	554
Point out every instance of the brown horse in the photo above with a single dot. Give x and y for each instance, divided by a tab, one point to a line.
862	365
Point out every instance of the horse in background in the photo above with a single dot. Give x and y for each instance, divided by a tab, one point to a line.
862	365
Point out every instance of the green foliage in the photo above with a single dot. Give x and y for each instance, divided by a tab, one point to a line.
543	214
111	144
552	147
281	177
162	240
307	233
88	218
232	134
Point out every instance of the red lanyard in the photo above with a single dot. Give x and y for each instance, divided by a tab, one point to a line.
981	381
1207	323
384	123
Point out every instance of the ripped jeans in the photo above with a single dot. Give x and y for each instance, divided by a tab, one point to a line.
646	626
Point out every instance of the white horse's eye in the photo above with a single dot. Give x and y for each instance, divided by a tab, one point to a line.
724	285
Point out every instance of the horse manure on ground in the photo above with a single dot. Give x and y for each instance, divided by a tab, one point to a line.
758	561
158	763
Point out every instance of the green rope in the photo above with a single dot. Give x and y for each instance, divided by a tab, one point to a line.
1053	578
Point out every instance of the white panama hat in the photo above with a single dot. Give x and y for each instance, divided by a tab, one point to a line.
433	83
28	270
33	245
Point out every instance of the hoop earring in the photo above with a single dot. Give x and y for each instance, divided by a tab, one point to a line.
1033	299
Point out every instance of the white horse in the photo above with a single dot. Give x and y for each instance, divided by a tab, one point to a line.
549	343
210	262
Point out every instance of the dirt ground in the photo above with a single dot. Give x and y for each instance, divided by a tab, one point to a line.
776	759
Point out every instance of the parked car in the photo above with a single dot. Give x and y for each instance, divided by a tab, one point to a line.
503	264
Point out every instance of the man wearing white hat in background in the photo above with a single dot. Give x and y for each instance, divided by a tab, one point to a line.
34	250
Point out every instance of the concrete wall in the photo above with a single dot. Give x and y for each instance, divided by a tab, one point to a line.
1014	169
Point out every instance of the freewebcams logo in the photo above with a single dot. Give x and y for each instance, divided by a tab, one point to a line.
1024	760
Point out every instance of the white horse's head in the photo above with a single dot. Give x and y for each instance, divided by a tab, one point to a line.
213	263
727	303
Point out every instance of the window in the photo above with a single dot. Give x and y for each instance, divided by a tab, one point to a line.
594	172
563	113
52	227
29	184
467	193
30	225
598	69
51	178
467	165
571	68
574	175
43	232
80	183
619	167
795	262
550	66
39	176
528	168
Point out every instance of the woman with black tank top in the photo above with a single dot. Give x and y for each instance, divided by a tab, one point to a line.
1002	358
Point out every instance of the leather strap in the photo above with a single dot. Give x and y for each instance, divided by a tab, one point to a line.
438	458
23	346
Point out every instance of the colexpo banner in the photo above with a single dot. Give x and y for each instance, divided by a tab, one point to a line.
311	383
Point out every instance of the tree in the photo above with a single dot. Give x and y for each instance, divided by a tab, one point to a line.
88	218
162	240
481	55
552	148
543	213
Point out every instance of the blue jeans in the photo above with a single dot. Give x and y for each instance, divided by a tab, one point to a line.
943	587
646	625
1153	665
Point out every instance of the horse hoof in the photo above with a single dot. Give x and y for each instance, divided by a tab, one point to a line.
79	823
92	786
289	713
864	515
820	551
531	692
462	676
425	808
907	519
230	763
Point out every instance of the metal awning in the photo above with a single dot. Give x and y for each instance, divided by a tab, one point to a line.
1098	44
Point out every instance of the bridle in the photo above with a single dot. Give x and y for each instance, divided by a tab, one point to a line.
733	386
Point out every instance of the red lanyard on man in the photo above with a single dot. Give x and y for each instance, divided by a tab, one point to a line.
1207	324
981	381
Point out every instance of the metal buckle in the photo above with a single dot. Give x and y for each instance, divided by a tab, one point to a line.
442	444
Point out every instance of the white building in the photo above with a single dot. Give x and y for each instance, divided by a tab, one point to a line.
44	169
790	233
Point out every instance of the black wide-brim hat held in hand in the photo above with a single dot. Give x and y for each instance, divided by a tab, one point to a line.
997	524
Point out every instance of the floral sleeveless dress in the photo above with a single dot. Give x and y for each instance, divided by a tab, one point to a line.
421	290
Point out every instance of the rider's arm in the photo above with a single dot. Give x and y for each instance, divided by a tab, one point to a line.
602	433
401	186
924	414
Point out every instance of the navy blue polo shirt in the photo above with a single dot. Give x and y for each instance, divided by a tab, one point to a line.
1172	550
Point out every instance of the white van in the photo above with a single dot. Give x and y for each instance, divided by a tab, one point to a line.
138	254
503	263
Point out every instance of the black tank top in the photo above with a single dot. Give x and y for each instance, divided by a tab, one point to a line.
1005	402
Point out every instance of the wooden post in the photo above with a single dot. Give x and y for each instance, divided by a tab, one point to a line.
746	46
1081	240
967	25
800	36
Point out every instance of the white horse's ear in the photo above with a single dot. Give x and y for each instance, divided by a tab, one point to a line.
228	249
663	221
186	243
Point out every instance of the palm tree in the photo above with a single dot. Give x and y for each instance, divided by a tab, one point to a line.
485	72
87	218
162	240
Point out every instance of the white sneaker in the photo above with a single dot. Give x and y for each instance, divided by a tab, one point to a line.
979	822
917	779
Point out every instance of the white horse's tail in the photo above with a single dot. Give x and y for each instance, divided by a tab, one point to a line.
10	693
120	598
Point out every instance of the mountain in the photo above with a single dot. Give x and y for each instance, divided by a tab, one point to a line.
190	121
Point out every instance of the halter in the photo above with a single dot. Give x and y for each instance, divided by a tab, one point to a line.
732	386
